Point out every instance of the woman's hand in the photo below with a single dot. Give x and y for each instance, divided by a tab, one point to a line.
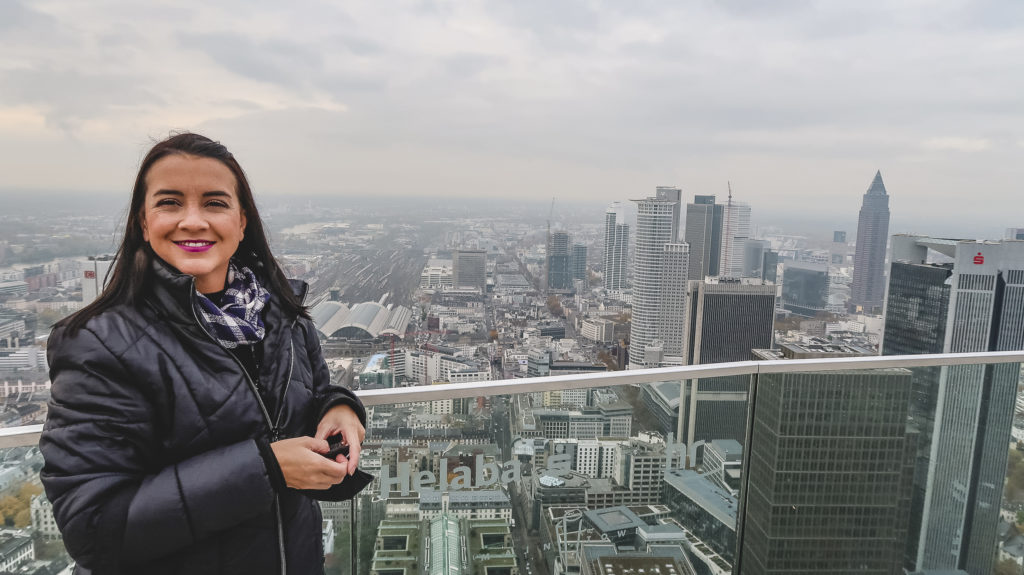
304	467
341	419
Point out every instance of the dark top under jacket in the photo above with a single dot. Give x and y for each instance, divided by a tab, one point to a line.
156	445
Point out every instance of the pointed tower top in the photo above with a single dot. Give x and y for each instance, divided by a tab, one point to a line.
877	188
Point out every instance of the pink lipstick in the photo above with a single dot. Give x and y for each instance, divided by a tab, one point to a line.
194	245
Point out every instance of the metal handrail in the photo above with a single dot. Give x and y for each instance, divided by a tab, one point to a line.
21	436
28	435
659	374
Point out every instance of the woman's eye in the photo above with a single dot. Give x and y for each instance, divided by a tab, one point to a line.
167	202
217	204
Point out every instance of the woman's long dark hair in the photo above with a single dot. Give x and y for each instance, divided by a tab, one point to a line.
131	269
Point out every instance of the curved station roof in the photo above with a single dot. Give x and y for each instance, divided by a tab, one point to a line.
367	320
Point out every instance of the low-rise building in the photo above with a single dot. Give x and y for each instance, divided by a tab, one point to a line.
43	523
706	509
15	550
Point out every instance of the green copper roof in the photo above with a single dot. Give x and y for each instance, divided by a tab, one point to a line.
445	546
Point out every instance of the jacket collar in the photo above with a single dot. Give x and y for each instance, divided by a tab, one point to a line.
171	293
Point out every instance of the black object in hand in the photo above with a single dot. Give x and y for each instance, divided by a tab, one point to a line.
337	447
350	486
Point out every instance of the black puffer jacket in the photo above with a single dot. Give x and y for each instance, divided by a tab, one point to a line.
156	442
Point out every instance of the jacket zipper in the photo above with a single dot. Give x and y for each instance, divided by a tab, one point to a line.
275	433
287	382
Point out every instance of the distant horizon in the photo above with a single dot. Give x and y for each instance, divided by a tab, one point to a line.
787	219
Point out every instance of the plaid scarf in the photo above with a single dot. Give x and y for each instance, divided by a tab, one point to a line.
236	321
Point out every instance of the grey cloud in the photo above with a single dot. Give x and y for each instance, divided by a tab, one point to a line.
278	61
359	45
15	15
70	97
469	65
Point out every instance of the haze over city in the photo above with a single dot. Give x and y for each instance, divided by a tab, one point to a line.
797	104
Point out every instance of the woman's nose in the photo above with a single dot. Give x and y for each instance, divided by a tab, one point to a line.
193	219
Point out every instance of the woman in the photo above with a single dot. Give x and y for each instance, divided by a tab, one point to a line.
191	403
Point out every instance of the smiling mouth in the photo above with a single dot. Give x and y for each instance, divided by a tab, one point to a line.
194	245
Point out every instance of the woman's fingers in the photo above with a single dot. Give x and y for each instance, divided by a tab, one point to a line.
302	465
341	419
353	451
326	429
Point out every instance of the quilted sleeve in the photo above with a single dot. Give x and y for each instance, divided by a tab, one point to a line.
115	507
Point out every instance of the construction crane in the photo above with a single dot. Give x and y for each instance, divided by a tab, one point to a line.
547	250
728	240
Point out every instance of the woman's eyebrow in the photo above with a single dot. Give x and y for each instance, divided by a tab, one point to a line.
211	193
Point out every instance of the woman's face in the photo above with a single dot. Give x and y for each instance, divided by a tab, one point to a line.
192	218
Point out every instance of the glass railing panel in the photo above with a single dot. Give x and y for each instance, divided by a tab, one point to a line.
29	533
698	475
338	536
876	471
549	482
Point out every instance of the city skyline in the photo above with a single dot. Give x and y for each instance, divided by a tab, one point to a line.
413	300
523	100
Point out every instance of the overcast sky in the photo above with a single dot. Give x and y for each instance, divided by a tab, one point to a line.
796	102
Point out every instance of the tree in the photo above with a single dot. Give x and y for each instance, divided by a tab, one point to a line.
9	507
48	317
14	509
609	361
555	306
1014	490
28	491
1007	567
23	518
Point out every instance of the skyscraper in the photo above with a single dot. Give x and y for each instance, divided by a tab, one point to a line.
964	413
704	234
770	266
578	262
839	250
753	257
616	247
657	224
559	272
94	277
728	318
828	487
805	287
469	269
672	329
735	233
868	288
